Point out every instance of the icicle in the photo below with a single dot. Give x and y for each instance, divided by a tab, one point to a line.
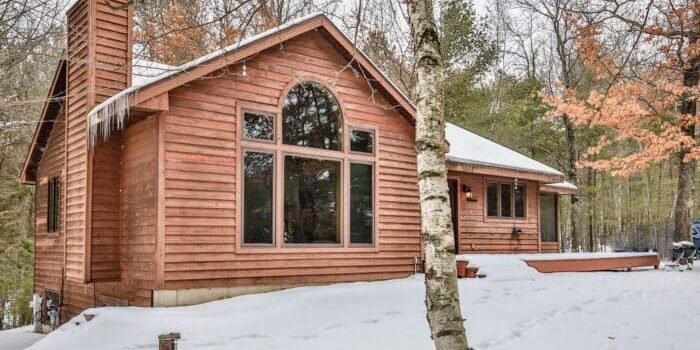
110	115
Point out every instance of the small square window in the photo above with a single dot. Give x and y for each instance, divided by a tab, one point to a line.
258	126
361	141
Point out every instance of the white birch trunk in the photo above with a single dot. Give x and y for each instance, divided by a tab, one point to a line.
442	295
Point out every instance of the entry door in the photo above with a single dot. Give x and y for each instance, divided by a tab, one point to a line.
452	184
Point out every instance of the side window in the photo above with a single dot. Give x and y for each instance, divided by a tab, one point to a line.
53	205
492	199
505	200
519	201
361	203
258	126
361	141
258	200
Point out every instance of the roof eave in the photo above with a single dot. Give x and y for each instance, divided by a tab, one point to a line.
53	92
237	54
550	176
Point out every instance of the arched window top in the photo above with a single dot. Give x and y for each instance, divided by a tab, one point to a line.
311	117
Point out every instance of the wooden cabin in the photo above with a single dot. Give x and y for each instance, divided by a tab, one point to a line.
286	159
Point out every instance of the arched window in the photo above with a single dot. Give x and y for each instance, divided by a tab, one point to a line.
311	118
295	181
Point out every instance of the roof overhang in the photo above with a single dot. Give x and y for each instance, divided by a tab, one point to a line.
560	188
52	105
138	97
502	171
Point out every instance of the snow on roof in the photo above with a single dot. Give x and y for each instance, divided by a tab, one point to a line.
142	71
566	185
119	102
470	148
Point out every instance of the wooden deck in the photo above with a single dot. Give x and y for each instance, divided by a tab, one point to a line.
594	263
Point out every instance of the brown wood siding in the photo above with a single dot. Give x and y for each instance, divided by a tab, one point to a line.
201	177
138	210
106	226
479	233
112	29
77	296
78	102
48	257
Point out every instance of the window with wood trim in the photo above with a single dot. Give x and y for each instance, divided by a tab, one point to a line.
258	126
361	203
304	186
53	204
505	200
311	118
258	201
361	141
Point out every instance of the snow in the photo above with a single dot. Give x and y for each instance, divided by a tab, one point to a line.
470	148
566	185
105	109
18	338
513	308
142	71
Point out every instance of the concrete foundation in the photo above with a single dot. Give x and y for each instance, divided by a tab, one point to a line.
182	297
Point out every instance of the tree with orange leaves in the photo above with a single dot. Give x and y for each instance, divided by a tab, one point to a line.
647	90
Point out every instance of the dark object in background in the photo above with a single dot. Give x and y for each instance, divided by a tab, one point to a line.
682	254
696	234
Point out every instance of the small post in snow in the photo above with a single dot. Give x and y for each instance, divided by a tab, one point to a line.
36	311
168	341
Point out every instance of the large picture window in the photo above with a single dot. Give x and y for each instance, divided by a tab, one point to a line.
307	187
505	200
311	200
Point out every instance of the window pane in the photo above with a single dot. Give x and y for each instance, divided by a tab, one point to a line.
361	214
52	205
520	201
548	217
361	141
258	126
311	117
506	200
492	199
311	200
257	197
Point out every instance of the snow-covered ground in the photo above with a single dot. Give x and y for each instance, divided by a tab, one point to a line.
18	338
513	308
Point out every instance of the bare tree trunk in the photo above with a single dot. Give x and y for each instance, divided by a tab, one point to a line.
575	209
685	202
442	295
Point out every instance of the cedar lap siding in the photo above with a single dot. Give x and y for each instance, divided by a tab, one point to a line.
156	206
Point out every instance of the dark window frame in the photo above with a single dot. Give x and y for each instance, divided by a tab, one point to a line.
53	205
498	184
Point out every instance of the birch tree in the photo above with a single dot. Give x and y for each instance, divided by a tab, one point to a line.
442	294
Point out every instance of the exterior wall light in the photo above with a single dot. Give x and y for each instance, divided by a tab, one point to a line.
468	194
